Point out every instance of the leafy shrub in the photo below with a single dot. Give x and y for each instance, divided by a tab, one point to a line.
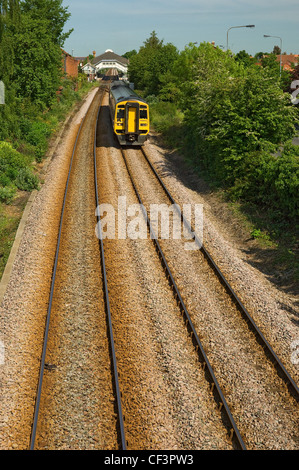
7	193
257	233
4	180
237	119
26	180
15	172
284	175
36	133
10	159
164	115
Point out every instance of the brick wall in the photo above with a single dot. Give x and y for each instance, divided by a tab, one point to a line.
70	64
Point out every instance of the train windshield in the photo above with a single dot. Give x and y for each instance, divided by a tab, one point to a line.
120	112
143	113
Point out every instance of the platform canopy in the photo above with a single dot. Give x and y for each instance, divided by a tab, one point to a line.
110	60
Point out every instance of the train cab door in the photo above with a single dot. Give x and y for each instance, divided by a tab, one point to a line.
132	118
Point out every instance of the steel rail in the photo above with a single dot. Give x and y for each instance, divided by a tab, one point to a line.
294	389
108	311
46	334
234	431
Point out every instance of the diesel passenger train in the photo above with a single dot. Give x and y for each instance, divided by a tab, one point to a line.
129	113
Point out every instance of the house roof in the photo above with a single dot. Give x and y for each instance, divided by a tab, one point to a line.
88	64
288	60
110	55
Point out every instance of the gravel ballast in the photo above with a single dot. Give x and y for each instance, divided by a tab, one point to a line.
166	398
24	307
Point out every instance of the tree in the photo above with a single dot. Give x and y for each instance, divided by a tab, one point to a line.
276	50
233	114
54	13
34	34
152	62
130	54
31	36
38	65
259	55
9	20
271	62
244	58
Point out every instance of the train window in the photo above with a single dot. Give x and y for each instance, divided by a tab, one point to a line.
120	113
143	113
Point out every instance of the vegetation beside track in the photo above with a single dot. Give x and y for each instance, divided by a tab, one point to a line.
37	100
233	121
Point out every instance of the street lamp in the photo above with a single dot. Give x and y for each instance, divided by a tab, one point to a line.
245	26
268	36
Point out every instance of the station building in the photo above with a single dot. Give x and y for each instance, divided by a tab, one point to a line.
108	60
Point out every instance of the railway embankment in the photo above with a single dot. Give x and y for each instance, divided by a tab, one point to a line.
26	278
230	120
25	160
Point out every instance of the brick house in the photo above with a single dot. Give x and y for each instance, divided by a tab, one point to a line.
289	61
70	64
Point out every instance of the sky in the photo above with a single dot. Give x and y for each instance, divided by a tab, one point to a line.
124	25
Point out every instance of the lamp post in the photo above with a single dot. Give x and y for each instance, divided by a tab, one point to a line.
268	36
244	26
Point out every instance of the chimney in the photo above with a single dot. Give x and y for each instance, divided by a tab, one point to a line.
94	53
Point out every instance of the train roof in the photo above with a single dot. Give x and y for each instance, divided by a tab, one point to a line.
121	91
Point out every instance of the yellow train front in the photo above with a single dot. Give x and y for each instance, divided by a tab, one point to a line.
129	113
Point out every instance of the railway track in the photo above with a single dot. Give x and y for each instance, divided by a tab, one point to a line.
294	389
60	283
269	353
225	412
235	434
109	316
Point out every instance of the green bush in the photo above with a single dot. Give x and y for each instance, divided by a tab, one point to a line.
4	180
27	180
10	159
231	117
36	133
284	176
15	172
237	122
7	194
164	115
